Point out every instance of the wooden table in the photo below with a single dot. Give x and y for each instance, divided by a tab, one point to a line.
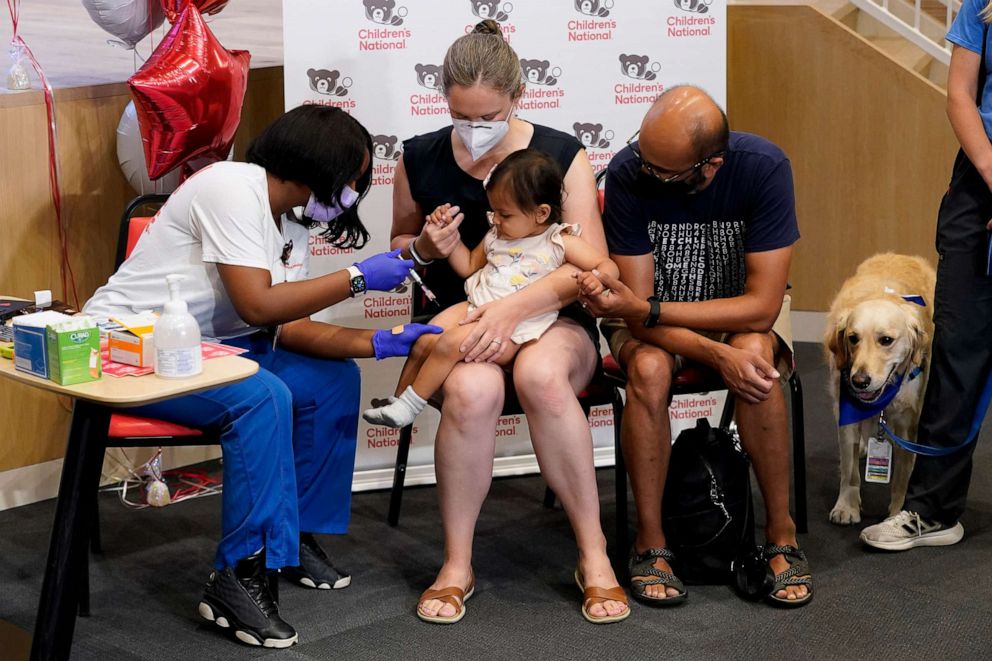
94	402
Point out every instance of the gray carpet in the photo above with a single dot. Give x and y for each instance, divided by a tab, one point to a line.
924	603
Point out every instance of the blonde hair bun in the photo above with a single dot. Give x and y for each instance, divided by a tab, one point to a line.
488	26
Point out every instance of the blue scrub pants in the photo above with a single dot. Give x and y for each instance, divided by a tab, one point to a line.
288	435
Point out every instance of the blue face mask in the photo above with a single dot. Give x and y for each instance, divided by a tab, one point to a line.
323	213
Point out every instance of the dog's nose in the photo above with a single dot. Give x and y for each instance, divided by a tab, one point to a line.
861	381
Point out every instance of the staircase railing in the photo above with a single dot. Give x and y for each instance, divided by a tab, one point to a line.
909	28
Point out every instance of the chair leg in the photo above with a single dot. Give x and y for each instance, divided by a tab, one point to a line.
798	452
399	475
620	476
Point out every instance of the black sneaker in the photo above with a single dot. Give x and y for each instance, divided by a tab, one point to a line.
315	569
239	599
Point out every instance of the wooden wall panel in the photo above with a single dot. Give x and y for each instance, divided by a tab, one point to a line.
94	195
869	141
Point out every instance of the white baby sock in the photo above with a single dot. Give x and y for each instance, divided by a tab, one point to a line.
400	412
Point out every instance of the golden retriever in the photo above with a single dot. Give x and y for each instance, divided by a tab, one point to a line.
874	335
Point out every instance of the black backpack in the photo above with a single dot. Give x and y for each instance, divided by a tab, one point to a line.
707	512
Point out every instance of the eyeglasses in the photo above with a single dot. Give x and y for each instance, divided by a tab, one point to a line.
660	173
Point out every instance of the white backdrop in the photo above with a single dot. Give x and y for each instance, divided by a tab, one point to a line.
592	67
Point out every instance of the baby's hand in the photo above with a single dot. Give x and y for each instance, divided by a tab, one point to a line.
443	215
589	285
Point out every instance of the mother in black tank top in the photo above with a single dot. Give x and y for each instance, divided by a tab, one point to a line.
481	80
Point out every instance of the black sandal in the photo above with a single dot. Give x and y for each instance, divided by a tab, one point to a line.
798	573
642	564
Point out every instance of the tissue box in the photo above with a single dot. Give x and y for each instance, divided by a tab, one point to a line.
73	351
134	343
30	342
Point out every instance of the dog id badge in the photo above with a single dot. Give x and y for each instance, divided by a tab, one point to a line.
878	465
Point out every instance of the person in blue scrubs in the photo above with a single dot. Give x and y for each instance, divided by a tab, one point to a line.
288	433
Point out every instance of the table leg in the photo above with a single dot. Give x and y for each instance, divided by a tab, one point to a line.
80	476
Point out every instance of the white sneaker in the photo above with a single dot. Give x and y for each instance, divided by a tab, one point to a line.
908	530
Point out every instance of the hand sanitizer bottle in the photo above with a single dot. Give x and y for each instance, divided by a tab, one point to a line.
177	337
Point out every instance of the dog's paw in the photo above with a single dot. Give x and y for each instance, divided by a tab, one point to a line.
844	516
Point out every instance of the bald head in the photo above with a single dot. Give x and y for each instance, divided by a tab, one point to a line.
683	126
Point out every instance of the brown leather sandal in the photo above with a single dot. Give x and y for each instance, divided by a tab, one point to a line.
452	595
593	595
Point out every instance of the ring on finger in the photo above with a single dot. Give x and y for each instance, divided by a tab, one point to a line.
496	340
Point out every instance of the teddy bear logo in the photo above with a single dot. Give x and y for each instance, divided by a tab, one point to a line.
325	82
381	11
491	9
540	72
429	76
592	135
384	147
636	66
600	8
694	6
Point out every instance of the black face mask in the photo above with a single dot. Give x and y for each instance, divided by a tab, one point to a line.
688	186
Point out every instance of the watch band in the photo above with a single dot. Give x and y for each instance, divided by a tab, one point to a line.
653	313
356	280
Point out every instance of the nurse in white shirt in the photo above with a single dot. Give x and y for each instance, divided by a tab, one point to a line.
289	432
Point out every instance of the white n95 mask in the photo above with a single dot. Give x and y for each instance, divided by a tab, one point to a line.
480	137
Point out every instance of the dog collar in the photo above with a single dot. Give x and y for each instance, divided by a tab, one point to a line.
850	409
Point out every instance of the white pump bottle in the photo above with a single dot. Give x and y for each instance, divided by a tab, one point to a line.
177	337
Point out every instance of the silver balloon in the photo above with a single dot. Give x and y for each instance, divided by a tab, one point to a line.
131	156
129	21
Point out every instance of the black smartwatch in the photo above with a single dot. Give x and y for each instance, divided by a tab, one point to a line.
357	281
654	312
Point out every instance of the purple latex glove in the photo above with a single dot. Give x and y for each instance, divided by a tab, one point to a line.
386	343
385	271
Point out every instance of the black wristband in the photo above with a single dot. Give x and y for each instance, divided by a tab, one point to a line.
416	255
653	313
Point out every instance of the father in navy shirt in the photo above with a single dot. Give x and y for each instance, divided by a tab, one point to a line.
702	223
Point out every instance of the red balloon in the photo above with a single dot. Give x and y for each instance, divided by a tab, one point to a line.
188	95
173	8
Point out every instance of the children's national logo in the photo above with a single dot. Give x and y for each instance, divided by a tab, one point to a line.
429	76
491	9
431	102
694	6
592	135
645	72
328	83
540	72
384	12
542	91
699	24
638	66
594	23
596	141
384	147
598	8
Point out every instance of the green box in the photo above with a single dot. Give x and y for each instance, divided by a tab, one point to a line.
73	355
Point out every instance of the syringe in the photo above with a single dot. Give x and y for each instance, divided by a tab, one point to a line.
427	292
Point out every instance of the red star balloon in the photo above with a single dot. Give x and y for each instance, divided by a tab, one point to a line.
188	95
174	8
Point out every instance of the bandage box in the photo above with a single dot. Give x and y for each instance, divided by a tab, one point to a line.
73	351
30	342
133	344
